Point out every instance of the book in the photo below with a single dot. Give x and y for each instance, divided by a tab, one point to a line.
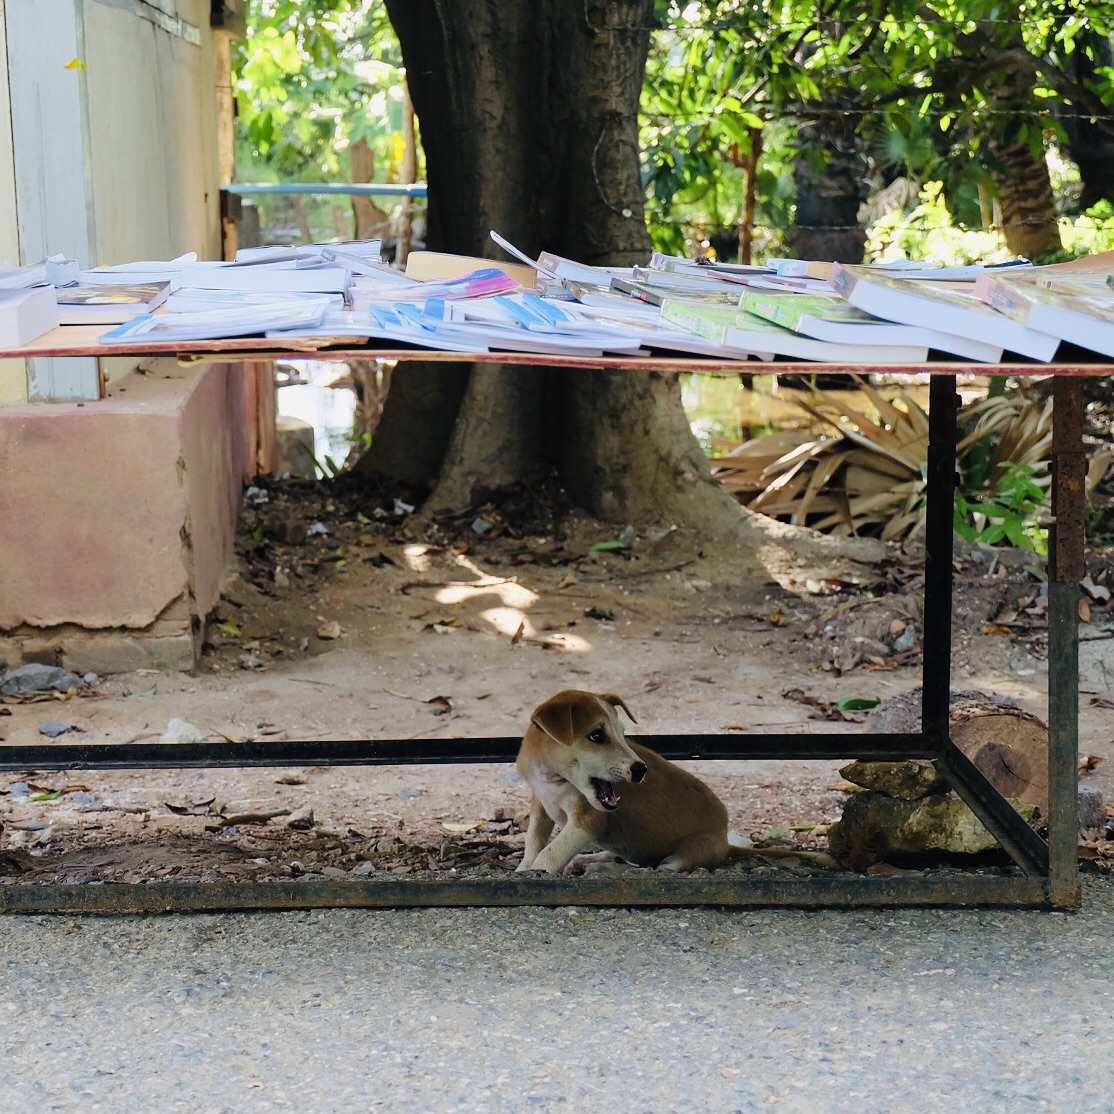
739	329
275	277
427	265
216	324
55	270
646	322
26	313
947	307
109	303
656	294
829	317
525	323
557	266
1084	316
682	265
142	271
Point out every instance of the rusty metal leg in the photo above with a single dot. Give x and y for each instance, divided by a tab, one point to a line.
936	680
999	817
1067	566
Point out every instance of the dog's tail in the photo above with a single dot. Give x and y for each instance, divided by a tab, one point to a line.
741	848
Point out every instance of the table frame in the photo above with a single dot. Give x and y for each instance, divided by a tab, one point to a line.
1045	872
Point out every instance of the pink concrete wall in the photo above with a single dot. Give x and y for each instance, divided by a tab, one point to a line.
111	510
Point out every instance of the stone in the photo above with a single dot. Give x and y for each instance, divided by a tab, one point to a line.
38	678
1092	809
362	870
295	443
909	781
874	826
179	731
53	728
301	819
329	631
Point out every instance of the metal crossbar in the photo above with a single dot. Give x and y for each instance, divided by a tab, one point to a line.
1048	873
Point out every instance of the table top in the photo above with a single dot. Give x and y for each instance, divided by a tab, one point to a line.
83	340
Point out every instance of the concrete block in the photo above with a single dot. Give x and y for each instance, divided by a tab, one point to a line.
295	447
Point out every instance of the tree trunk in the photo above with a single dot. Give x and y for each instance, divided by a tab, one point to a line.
369	220
1090	146
1017	143
830	175
1025	192
528	117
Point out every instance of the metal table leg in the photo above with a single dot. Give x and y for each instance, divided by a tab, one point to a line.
1067	567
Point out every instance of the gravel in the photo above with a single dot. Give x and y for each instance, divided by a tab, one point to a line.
562	1010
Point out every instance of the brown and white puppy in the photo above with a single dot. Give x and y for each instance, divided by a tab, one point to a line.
611	794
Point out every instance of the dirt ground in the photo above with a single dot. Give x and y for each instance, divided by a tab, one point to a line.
345	622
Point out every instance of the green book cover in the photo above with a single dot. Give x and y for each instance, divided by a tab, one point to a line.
788	310
710	320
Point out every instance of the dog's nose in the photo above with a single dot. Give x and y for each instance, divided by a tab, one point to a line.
638	771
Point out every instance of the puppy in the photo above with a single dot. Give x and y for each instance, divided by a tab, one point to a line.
608	793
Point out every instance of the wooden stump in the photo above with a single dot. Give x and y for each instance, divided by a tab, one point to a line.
1009	746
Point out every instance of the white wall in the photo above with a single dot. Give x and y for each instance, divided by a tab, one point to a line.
143	129
12	374
153	133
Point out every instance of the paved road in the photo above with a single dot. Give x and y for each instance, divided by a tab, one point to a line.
554	1010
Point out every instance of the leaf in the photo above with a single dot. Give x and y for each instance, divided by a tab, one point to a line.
474	826
442	705
147	692
52	795
609	547
229	628
857	703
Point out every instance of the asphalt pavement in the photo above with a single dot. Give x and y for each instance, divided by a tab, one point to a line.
562	1010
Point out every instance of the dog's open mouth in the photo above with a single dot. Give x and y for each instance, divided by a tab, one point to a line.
605	794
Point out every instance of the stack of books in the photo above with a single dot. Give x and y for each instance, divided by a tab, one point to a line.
894	314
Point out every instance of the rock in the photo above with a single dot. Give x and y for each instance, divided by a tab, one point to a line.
301	819
329	631
250	661
179	731
362	870
909	781
1092	809
334	872
53	728
38	678
294	441
874	826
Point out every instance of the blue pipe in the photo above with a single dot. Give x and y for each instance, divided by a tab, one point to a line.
360	189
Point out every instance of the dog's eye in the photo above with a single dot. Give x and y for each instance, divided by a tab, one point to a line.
597	736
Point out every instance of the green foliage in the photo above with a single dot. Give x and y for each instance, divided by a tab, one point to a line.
931	82
312	78
928	232
1011	513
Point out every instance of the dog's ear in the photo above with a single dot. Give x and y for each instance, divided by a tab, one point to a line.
554	717
617	702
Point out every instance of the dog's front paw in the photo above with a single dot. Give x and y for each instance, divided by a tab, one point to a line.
524	866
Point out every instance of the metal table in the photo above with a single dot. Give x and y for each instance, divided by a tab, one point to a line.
1046	871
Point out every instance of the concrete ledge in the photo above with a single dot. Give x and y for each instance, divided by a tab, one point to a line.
118	517
170	642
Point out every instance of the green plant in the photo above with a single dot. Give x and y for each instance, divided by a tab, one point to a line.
1012	512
